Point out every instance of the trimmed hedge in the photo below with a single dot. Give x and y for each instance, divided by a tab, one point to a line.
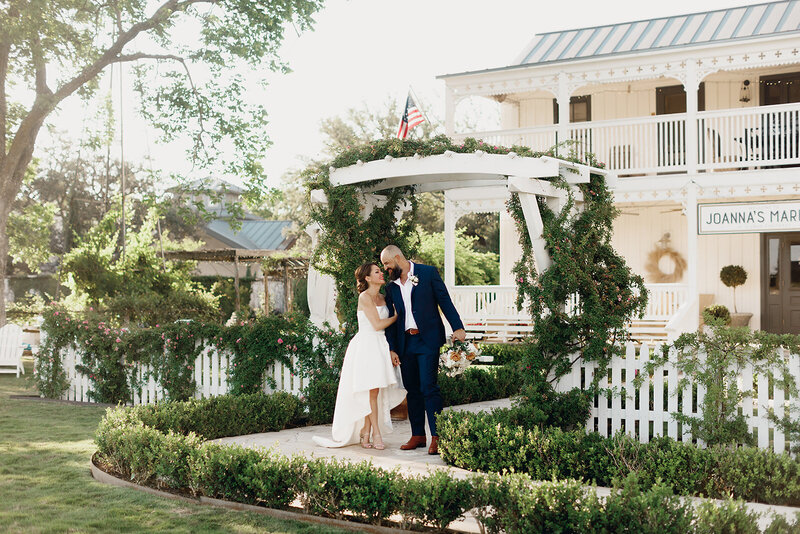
511	503
478	384
219	417
504	353
485	442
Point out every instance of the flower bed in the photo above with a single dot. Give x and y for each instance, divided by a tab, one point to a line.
170	455
490	442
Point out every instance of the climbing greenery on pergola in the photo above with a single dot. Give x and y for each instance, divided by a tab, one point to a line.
362	205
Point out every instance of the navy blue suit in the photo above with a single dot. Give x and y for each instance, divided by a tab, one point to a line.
419	354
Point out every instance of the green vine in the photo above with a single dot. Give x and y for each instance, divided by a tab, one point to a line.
584	265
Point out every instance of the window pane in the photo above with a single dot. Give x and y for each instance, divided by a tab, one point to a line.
774	267
794	270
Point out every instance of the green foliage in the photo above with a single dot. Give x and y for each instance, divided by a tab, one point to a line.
504	353
495	442
649	511
733	275
166	457
715	359
472	267
218	417
717	313
585	266
436	499
225	292
138	287
29	230
110	352
539	508
478	383
333	487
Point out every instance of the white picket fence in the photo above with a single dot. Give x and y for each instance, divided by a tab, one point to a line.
210	374
636	417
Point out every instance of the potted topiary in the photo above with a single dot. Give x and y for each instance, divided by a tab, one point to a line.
733	276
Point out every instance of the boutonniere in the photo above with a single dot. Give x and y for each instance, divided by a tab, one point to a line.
414	279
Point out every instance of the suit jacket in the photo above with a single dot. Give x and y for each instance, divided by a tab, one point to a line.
427	297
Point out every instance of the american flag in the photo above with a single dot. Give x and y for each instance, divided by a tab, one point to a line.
412	116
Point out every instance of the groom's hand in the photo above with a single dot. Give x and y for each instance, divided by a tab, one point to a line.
460	335
395	358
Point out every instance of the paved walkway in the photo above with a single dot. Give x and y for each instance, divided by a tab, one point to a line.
298	441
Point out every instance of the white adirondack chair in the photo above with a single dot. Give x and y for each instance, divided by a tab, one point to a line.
11	349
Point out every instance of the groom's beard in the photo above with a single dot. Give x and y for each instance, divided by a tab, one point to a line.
394	273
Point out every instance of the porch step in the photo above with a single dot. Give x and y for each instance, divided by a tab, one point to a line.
643	330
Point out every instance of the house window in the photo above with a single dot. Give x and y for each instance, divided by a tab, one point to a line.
779	89
580	109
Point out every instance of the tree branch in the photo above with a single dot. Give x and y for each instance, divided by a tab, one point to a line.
164	12
143	55
40	68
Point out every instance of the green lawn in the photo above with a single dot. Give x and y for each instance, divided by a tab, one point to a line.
45	484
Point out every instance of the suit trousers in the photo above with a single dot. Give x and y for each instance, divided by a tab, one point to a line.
419	365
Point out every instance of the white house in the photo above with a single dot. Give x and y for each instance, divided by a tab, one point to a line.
699	116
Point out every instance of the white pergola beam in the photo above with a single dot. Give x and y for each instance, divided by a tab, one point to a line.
438	168
534	186
533	220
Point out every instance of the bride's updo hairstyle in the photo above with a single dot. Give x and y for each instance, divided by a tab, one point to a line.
361	276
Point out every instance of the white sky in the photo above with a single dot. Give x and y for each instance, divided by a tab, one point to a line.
363	51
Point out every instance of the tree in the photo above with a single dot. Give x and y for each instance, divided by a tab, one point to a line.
50	51
472	267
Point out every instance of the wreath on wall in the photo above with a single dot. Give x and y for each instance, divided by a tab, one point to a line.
654	267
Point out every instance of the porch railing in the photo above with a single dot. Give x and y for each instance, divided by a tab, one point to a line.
726	139
496	302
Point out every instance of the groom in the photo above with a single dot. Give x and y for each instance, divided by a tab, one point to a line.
417	292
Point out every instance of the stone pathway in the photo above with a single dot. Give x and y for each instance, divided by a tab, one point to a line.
299	441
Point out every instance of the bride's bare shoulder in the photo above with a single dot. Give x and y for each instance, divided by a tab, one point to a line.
364	300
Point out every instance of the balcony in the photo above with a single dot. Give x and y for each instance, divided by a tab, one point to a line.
729	139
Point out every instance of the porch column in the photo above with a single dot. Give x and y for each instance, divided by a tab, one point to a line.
690	86
691	228
449	242
562	98
449	112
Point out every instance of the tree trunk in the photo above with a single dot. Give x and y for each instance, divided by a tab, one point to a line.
5	205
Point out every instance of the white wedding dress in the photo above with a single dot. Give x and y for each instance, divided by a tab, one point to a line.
367	365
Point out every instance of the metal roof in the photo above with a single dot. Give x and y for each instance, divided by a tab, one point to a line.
656	34
254	234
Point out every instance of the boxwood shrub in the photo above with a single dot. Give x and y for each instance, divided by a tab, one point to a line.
167	458
488	442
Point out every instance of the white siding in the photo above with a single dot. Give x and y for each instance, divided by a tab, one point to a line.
635	236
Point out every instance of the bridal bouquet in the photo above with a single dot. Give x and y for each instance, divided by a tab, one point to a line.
458	357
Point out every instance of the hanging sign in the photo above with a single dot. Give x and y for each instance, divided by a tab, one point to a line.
748	217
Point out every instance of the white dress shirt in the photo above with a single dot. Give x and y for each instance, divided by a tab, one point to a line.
405	291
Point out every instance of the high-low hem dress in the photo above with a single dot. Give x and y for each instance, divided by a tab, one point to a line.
367	365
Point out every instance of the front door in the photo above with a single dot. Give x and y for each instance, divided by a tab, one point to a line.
780	301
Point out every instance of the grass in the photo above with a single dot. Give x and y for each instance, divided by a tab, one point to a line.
45	484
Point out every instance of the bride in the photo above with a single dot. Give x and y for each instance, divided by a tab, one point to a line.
369	384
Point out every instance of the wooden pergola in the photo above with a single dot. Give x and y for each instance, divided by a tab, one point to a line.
277	264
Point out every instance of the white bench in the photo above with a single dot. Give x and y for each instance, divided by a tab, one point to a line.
11	349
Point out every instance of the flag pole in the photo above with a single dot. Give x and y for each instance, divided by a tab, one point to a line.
419	106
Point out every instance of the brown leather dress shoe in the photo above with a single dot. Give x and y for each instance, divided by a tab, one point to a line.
413	443
434	448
